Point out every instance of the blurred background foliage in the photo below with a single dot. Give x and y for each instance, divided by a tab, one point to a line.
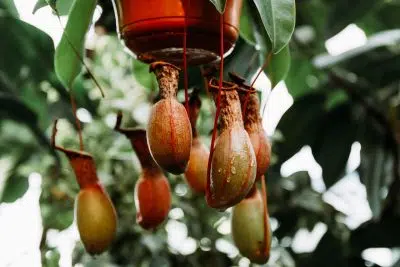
339	100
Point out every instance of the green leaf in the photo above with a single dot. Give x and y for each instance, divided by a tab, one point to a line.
57	214
67	64
302	77
375	168
379	67
246	26
279	66
14	188
252	29
21	71
243	52
9	7
219	4
278	17
298	125
42	3
26	51
332	146
13	108
373	165
63	6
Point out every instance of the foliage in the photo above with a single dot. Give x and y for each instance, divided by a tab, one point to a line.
338	100
68	55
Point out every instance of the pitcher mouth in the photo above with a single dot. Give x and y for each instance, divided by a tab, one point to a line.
226	86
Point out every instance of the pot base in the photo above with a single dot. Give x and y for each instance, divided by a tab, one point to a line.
195	56
202	48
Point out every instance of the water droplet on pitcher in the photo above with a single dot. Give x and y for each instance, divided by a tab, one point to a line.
219	170
233	170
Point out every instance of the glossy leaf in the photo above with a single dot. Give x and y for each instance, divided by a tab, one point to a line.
279	66
14	188
252	29
278	17
243	52
67	64
219	5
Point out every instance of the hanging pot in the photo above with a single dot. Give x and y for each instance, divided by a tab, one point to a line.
251	231
154	29
152	190
196	172
253	124
95	214
169	132
233	162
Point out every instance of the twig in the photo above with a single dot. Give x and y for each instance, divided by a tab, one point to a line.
77	121
266	64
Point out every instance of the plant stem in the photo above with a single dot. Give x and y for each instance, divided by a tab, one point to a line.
167	77
77	121
266	63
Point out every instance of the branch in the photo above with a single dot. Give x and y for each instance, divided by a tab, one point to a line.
390	138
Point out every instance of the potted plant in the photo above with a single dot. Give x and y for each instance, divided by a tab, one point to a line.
195	33
154	30
261	26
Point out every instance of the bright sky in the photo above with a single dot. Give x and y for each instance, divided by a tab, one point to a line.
20	224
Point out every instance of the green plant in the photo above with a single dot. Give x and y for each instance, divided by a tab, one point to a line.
338	100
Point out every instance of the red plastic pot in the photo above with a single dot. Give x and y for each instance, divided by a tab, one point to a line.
154	29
